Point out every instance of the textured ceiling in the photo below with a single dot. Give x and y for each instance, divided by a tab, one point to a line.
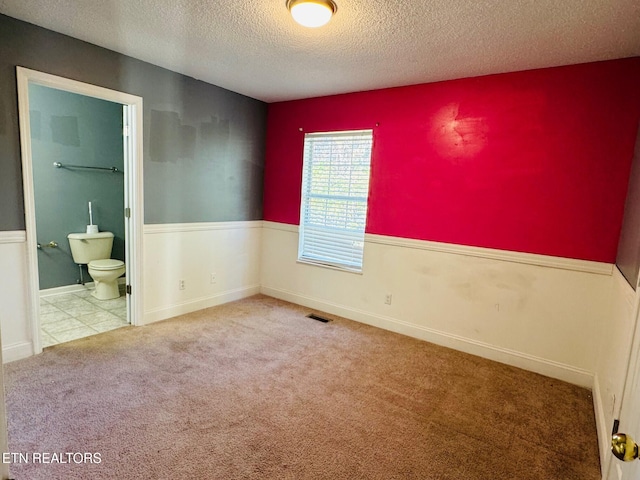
253	46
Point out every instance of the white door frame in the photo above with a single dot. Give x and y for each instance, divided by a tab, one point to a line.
628	411
133	188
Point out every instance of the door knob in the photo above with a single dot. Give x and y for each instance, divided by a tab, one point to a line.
623	447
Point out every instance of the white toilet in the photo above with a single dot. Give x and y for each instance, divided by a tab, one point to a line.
94	250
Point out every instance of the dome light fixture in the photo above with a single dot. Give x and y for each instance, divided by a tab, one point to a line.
312	13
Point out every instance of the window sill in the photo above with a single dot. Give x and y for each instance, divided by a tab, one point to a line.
340	268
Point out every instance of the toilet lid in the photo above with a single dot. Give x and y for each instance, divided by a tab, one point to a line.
106	264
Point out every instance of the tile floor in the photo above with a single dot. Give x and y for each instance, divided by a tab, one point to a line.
70	316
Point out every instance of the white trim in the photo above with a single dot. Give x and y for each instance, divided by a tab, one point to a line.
532	363
134	171
4	437
306	261
603	431
87	89
163	313
572	264
33	294
135	200
605	383
55	291
493	254
17	351
322	241
17	236
151	229
76	287
627	409
285	227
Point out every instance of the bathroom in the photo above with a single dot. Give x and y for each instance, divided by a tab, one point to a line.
79	187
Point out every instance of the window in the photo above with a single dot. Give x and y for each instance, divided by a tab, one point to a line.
335	185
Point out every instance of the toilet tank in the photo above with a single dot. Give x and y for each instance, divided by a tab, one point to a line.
86	247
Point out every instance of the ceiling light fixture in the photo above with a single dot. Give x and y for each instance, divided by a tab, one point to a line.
312	13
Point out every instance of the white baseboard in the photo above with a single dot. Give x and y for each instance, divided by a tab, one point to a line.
52	292
532	363
76	287
603	430
164	313
17	351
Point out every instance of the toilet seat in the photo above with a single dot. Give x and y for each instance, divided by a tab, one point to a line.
106	264
105	273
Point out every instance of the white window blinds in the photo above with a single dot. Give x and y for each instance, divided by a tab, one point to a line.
335	185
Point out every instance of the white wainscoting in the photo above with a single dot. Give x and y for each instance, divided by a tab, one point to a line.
615	338
535	312
192	252
15	323
172	252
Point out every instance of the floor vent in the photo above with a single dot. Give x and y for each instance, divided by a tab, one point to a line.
318	317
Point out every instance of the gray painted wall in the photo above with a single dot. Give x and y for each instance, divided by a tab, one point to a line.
203	145
76	130
628	259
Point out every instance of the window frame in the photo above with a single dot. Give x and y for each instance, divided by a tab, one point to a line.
351	201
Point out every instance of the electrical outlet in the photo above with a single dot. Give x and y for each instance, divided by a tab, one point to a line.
387	299
181	284
213	278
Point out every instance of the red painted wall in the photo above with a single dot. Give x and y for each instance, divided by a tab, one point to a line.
534	161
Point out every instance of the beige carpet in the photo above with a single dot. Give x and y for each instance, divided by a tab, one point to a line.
255	390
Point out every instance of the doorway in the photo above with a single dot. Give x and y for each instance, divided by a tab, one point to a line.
127	210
